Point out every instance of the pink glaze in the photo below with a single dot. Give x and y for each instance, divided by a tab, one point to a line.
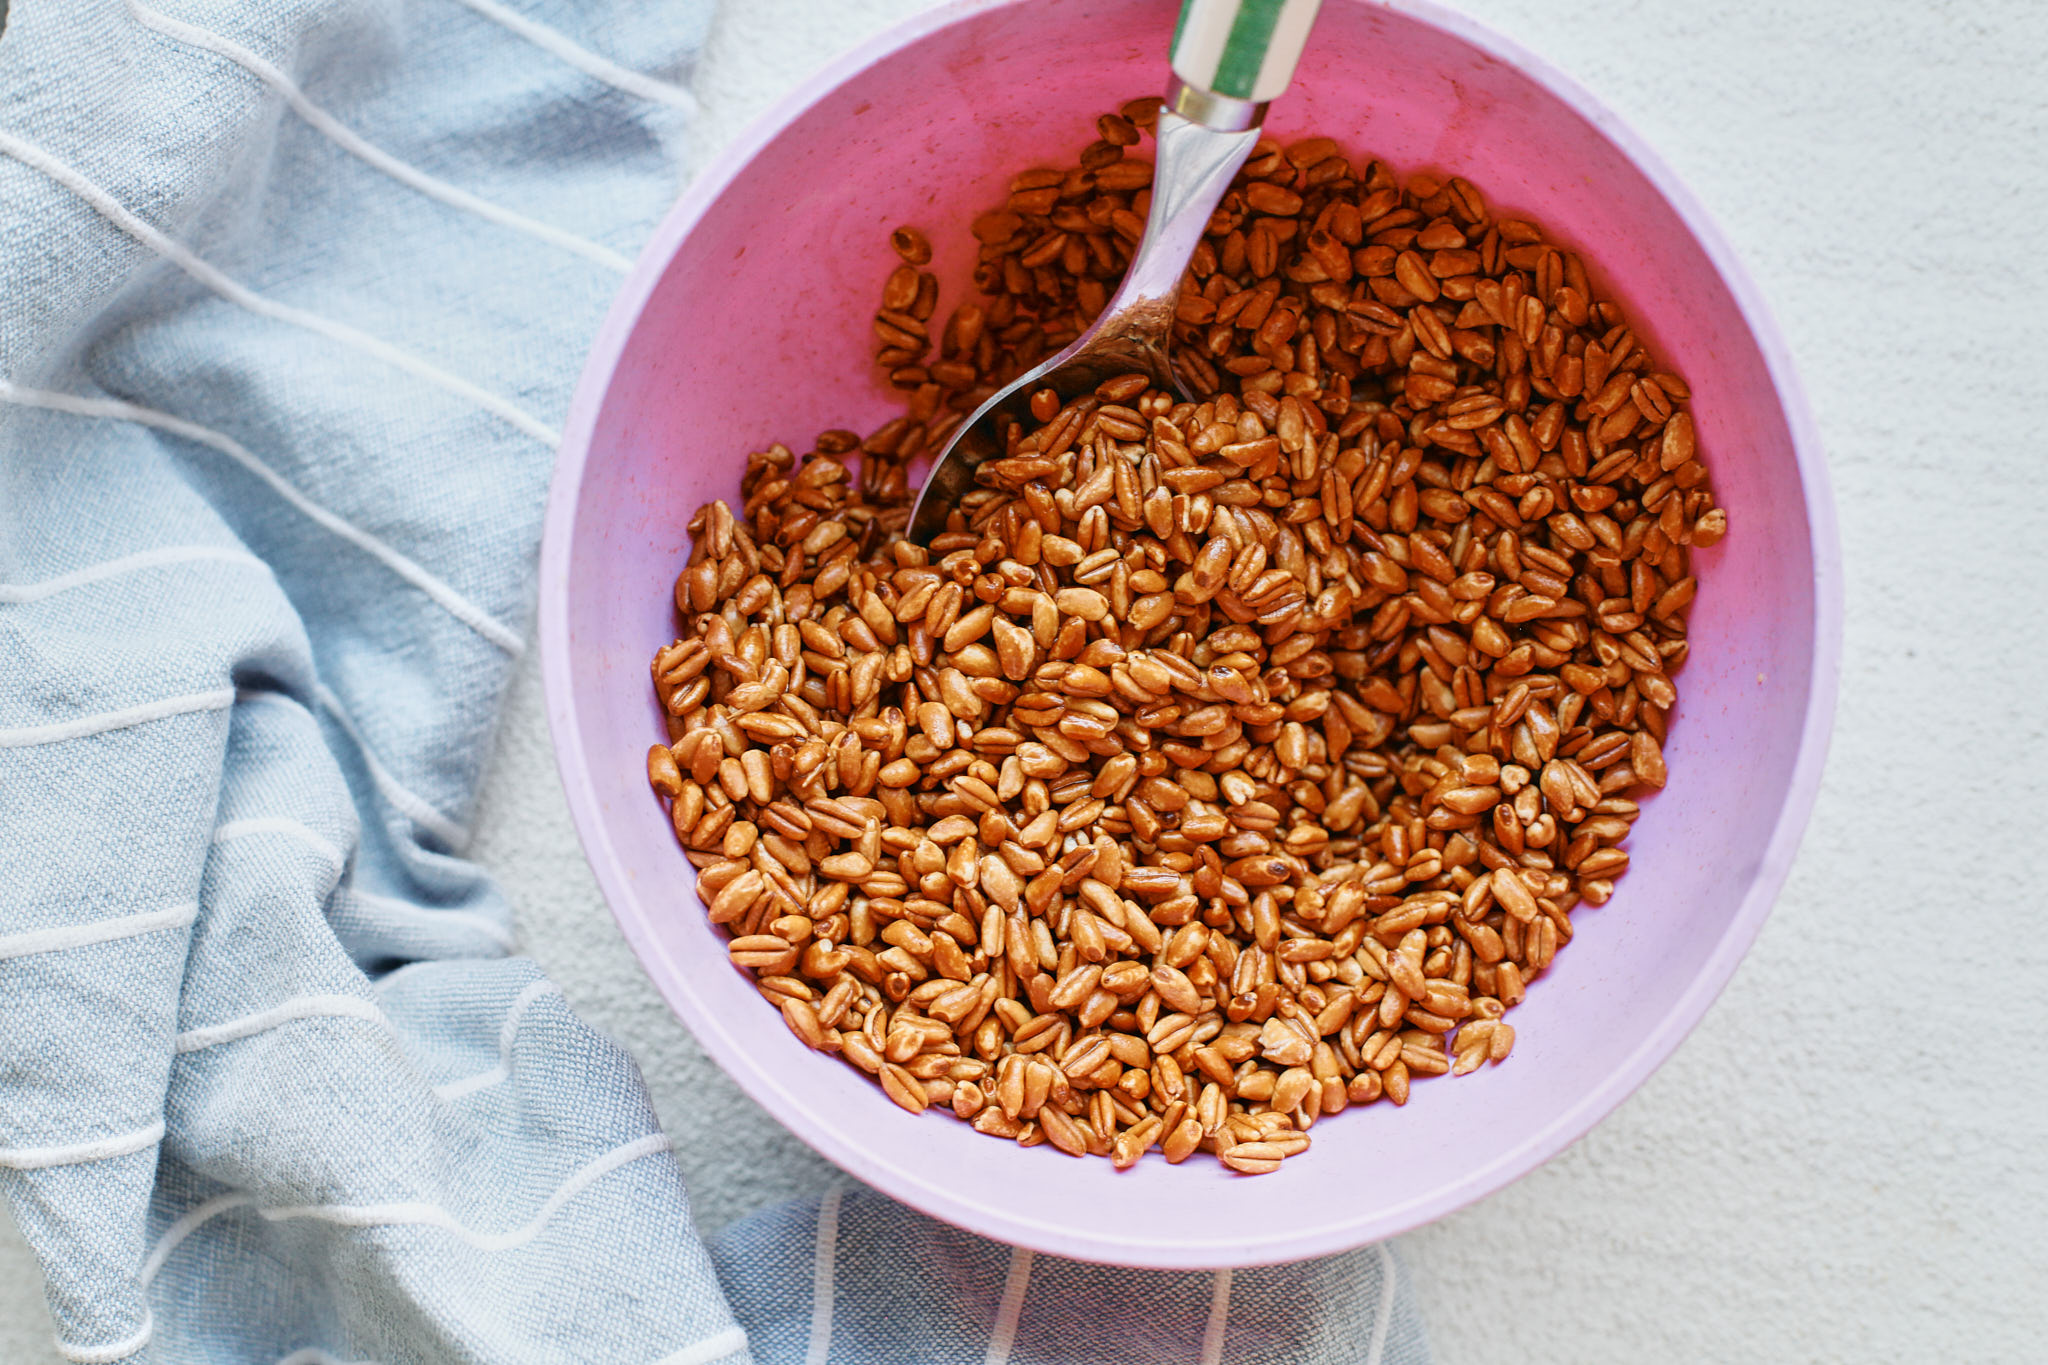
746	321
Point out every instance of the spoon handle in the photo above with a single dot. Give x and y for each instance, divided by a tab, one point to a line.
1194	167
1231	57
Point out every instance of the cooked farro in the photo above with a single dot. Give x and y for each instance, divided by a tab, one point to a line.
1224	763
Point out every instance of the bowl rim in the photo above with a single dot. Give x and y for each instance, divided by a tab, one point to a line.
903	1181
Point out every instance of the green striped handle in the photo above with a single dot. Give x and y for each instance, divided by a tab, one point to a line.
1245	49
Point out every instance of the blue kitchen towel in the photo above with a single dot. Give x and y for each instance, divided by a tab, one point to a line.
292	296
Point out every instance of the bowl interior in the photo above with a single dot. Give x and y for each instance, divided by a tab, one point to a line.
748	323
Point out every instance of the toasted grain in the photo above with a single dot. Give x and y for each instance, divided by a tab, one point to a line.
1223	764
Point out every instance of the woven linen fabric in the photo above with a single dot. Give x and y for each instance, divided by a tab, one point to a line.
292	296
856	1278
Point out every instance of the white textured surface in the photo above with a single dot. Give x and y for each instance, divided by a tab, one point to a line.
1845	1161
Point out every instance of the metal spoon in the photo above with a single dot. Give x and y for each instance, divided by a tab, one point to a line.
1230	58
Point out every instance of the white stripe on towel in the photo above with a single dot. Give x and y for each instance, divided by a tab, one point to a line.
824	1277
185	1226
584	60
78	727
290	1011
1385	1316
458	606
508	1033
95	931
1219	1319
415	808
16	593
112	1351
715	1347
347	139
1004	1335
71	1154
406	1214
438	919
291	829
433	1215
110	208
313	1355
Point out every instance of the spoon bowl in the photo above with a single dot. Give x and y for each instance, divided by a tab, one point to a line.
1230	58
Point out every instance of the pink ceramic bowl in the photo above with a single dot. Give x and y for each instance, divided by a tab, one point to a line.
746	321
